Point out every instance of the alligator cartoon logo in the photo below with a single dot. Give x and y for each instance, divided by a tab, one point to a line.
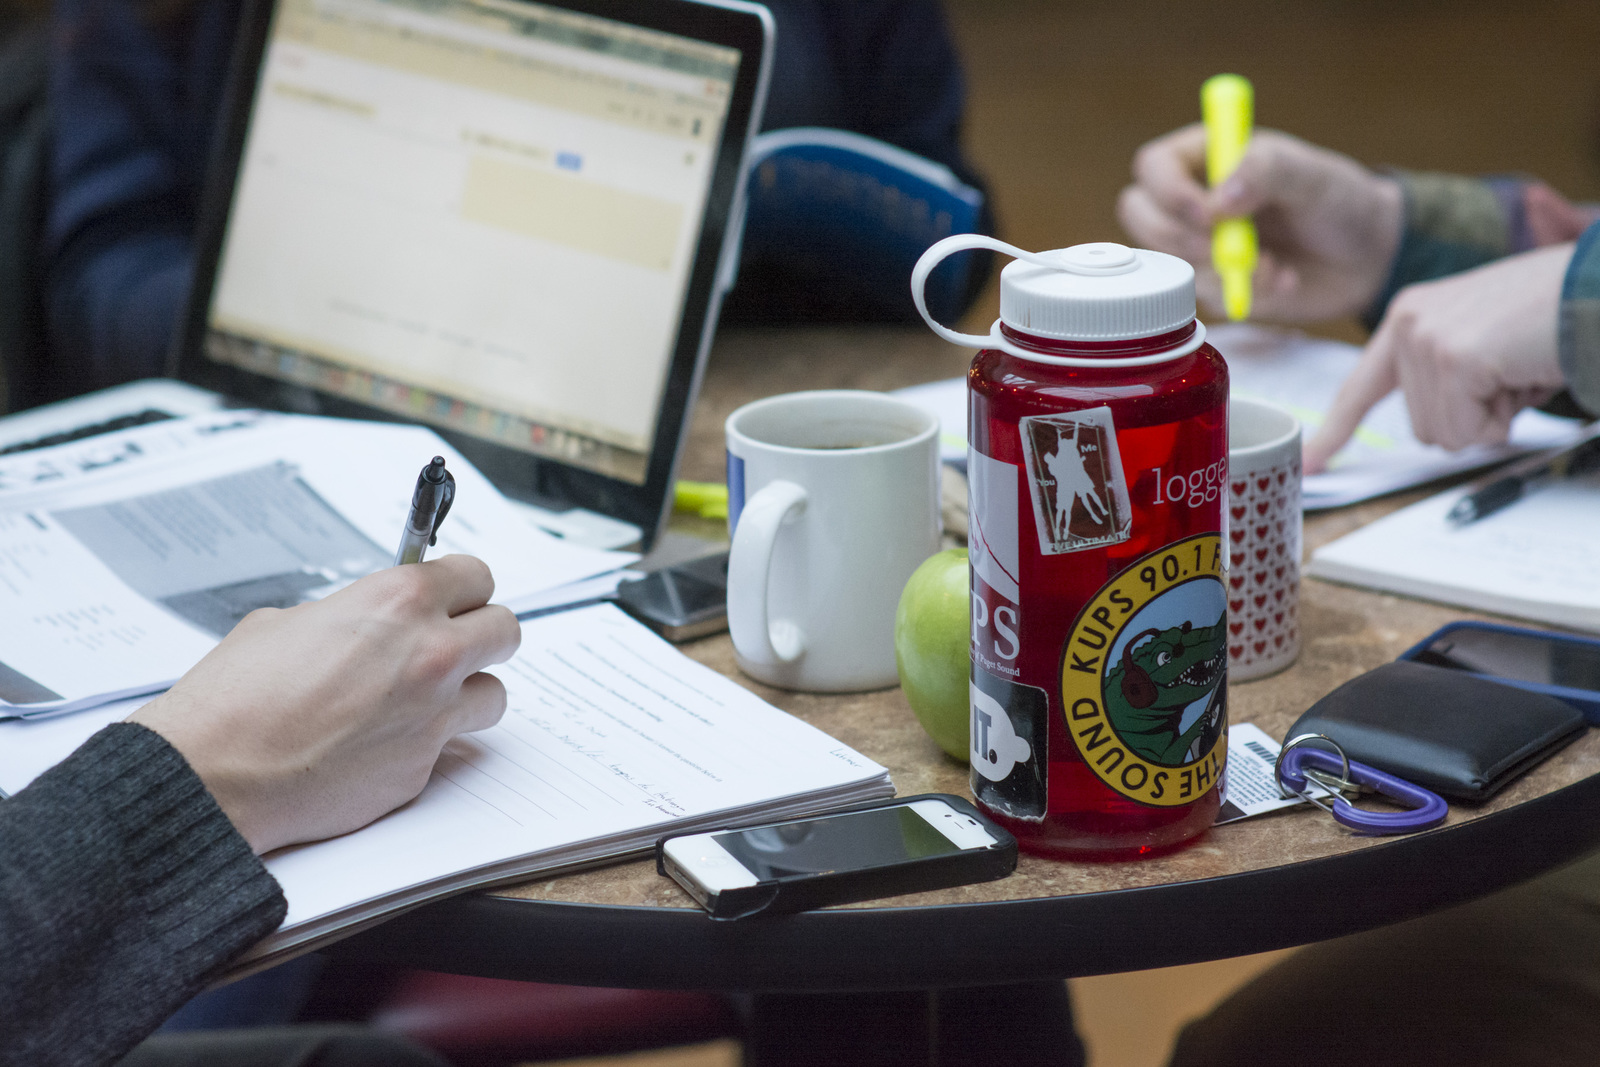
1161	676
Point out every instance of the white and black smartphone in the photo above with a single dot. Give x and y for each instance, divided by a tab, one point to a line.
905	845
682	602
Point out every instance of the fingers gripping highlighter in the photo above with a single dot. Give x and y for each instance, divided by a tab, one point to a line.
1227	104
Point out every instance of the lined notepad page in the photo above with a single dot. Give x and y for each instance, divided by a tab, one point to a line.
1535	559
610	737
1303	374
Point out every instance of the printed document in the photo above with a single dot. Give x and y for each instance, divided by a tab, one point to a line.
125	557
1303	374
611	737
1534	559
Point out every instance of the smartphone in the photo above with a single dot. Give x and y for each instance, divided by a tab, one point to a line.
1561	665
681	602
882	849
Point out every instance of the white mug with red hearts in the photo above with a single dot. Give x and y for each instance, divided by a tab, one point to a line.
1263	538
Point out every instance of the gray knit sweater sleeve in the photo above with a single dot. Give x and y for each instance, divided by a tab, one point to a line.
123	888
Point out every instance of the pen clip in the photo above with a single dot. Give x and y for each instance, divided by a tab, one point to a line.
449	495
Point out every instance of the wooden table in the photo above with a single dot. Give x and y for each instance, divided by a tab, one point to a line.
1265	883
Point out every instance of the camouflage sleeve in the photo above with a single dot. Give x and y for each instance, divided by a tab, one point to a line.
1580	322
1455	223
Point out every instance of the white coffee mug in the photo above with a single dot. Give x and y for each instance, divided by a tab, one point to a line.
833	500
1264	528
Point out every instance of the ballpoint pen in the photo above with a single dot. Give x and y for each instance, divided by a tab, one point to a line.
1517	479
1227	104
430	503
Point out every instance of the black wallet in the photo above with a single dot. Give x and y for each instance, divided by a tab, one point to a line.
1460	735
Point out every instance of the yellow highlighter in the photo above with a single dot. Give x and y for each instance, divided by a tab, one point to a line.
709	500
1227	104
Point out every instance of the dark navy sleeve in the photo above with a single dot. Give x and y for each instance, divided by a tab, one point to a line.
883	68
134	90
124	889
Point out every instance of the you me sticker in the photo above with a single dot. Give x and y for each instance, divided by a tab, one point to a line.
1080	496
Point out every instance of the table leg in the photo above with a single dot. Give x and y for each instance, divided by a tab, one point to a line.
992	1025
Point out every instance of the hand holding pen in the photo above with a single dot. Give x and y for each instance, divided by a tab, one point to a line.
430	503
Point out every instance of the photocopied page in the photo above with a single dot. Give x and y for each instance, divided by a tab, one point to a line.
1303	374
610	737
1535	559
123	560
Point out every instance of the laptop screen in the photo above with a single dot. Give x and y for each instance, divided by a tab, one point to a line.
478	214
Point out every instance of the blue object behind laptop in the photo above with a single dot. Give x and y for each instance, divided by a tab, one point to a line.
849	215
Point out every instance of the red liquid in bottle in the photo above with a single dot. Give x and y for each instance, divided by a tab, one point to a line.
1100	607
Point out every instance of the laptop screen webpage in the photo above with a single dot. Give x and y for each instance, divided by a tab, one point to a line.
474	213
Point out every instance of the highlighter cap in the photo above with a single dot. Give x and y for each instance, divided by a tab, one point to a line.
1097	292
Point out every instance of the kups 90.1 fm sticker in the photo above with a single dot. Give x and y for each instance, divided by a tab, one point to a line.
1144	675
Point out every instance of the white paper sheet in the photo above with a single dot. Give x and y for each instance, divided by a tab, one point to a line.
1303	374
124	557
611	735
1535	559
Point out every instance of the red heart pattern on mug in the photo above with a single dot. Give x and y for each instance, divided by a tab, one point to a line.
1263	609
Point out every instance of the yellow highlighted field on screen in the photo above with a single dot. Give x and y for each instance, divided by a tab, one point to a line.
580	214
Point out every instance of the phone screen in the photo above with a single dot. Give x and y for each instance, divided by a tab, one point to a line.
839	842
1518	657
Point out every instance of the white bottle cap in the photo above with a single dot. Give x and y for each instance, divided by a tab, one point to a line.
1091	292
1097	292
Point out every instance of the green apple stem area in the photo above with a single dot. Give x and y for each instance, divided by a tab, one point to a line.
931	648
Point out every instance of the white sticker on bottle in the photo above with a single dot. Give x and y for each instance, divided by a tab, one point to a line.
1080	496
992	522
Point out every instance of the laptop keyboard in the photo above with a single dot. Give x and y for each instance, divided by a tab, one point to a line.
121	422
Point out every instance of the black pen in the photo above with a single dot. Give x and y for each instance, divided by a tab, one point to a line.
1518	478
430	503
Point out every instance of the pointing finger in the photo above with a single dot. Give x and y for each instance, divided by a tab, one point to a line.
1372	379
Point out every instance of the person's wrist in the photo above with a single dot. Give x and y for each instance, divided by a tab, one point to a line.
235	793
1383	211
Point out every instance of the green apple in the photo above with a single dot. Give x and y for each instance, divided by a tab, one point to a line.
931	648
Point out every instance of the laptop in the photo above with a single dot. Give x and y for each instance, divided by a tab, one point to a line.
510	221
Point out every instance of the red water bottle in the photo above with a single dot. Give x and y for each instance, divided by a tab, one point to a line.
1097	471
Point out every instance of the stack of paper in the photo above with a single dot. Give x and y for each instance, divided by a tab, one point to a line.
1535	559
1303	374
611	737
125	557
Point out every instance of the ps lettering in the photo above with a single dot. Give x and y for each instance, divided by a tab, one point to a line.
996	628
1005	622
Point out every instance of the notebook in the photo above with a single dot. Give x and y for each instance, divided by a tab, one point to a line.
1534	560
1303	374
611	739
125	557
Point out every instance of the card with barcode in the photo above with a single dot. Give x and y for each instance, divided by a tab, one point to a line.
1249	786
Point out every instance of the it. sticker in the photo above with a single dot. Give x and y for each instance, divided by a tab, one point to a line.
1010	724
1080	497
1144	675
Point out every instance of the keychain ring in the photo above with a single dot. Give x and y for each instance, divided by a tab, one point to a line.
1294	742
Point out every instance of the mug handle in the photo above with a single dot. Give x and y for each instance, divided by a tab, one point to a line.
750	566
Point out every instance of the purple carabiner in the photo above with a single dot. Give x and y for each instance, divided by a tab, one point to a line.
1427	809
